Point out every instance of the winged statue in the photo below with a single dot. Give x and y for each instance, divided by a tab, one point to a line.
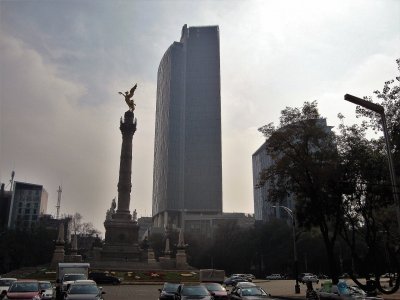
128	96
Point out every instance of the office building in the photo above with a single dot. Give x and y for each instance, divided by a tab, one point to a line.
263	208
187	152
28	203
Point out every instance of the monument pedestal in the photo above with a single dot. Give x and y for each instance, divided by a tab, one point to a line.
181	260
58	256
121	240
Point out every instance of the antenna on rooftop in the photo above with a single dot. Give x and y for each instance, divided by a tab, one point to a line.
11	180
59	191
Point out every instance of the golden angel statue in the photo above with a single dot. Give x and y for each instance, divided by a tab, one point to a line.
128	96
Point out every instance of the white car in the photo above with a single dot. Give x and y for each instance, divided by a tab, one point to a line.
309	277
48	289
5	283
70	278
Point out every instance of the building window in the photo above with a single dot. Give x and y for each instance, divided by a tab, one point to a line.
27	211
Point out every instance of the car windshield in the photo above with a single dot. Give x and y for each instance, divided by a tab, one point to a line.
83	289
253	291
21	287
6	282
73	277
45	285
198	290
214	287
170	287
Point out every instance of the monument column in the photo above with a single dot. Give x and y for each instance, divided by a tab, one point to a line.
128	128
121	236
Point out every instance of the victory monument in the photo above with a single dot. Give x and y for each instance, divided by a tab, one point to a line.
121	236
121	248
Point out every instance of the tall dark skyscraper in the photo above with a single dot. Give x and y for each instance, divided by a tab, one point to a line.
187	152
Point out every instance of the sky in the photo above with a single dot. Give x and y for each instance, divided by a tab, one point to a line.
63	63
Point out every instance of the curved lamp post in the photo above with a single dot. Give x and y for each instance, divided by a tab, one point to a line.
380	110
291	214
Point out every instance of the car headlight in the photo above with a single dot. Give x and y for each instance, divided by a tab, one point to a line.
37	297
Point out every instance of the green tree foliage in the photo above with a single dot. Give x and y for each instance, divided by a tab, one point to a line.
389	98
370	218
306	165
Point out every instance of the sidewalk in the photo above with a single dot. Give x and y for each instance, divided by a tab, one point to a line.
285	289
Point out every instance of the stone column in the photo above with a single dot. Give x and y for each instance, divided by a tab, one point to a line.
128	128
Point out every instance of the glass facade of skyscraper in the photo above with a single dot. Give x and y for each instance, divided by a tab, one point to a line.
187	153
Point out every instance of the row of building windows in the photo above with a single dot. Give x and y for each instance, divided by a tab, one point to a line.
27	211
28	205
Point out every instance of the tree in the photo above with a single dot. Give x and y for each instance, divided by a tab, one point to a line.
83	229
306	165
370	217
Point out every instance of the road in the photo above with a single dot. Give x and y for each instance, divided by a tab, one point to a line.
131	292
150	292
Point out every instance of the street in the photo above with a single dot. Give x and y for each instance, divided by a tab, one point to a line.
150	292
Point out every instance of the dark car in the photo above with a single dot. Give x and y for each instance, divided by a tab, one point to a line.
242	285
168	291
104	278
84	290
233	280
249	293
198	292
217	290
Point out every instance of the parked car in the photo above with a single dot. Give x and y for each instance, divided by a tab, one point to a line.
199	292
24	289
249	277
249	293
84	290
232	281
274	277
168	291
305	277
217	290
47	290
5	283
104	278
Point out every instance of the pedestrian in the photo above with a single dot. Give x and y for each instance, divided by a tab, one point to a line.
311	294
3	294
59	295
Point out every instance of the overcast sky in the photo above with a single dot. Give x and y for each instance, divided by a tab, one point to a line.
63	62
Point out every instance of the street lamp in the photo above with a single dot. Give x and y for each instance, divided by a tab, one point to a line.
291	214
380	110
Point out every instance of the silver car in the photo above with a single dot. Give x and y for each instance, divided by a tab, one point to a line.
84	290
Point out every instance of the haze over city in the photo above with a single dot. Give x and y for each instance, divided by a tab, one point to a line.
63	64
